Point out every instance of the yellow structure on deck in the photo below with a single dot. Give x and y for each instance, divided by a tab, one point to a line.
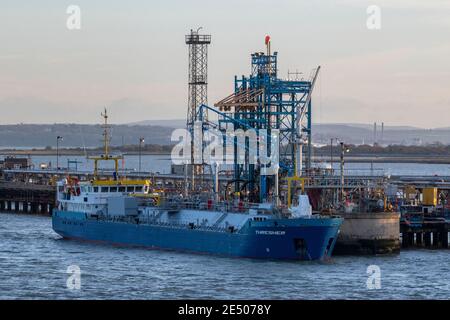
121	182
410	192
106	156
118	181
289	181
430	196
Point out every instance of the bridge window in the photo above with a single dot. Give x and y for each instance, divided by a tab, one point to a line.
259	219
130	189
113	189
95	189
122	189
105	189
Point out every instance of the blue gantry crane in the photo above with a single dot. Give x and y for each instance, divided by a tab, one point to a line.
264	101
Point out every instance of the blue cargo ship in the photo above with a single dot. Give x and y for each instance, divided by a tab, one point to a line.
133	213
126	212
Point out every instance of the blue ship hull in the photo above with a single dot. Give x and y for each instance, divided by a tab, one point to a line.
286	239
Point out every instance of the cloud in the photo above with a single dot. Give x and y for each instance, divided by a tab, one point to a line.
399	4
138	66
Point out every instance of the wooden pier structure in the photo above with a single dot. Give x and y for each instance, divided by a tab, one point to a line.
34	192
21	197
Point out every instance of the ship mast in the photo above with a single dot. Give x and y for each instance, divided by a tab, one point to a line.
106	137
106	156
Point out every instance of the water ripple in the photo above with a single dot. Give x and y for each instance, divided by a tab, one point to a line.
34	261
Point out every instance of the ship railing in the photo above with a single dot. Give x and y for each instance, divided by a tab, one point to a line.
152	221
222	206
183	225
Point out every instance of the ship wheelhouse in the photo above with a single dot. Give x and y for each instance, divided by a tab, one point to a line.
92	196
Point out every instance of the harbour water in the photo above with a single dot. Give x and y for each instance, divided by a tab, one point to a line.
161	163
34	262
153	163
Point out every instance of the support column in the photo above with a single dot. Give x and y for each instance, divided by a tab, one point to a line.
405	239
419	239
435	239
309	124
444	239
411	239
427	239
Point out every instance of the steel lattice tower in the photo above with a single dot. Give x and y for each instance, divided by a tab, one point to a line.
264	101
198	76
198	85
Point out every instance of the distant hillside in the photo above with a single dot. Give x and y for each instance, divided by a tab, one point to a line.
159	131
79	135
176	123
360	134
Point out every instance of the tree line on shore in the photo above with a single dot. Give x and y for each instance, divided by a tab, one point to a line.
436	149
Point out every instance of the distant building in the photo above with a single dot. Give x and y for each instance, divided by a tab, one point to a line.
15	163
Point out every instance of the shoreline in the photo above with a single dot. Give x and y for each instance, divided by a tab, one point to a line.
388	159
68	152
363	158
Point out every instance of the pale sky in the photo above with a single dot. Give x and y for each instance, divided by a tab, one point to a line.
131	57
